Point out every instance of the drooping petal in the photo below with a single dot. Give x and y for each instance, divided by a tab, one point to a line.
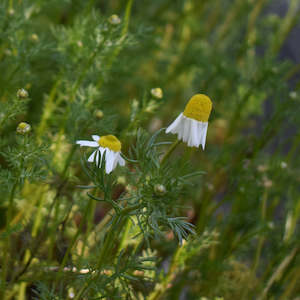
87	143
97	157
96	138
92	156
173	128
121	160
102	151
186	129
193	138
110	158
204	133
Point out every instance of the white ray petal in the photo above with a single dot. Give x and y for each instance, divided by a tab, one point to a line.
87	143
186	129
173	128
97	158
121	160
96	138
194	137
110	155
102	152
92	156
205	125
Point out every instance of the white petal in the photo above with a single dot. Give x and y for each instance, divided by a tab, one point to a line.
97	158
173	128
102	150
121	160
186	129
204	133
192	141
116	159
195	134
96	138
87	143
180	130
92	156
110	158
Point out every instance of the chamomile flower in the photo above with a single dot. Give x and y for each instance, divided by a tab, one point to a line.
109	147
191	125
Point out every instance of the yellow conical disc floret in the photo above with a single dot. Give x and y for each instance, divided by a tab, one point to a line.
110	142
198	108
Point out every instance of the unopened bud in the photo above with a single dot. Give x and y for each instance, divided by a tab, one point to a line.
99	114
34	37
22	94
160	189
267	183
293	95
23	128
262	168
283	165
114	20
157	93
11	11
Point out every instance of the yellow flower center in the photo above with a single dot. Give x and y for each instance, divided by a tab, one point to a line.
110	142
198	108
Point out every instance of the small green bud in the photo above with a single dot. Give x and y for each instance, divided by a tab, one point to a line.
114	20
121	180
11	11
160	190
293	95
34	37
157	93
99	114
22	94
23	128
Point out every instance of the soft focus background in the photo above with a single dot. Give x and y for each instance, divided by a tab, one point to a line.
89	72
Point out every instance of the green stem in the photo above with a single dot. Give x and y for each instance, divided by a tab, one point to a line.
6	257
116	227
261	239
169	152
73	241
90	223
279	272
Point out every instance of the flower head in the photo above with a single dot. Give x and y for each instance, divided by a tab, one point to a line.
23	128
109	147
114	20
191	125
157	93
22	94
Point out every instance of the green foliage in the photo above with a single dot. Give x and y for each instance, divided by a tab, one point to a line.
174	222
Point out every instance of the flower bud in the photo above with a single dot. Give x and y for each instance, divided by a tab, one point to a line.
283	165
114	20
23	128
99	114
160	190
11	11
34	37
157	93
22	94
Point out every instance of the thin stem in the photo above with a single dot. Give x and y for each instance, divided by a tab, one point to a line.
162	288
116	226
279	271
261	239
6	259
169	152
72	243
